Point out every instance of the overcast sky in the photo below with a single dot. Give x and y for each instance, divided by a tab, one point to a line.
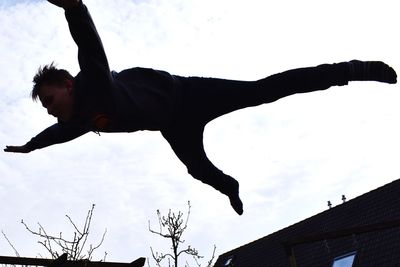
290	156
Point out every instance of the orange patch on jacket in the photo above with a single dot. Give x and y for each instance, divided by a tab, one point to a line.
101	121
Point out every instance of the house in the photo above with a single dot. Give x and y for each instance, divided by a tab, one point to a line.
364	231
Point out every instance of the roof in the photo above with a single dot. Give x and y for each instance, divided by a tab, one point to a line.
374	248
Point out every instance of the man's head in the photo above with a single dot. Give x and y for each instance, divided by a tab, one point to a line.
53	87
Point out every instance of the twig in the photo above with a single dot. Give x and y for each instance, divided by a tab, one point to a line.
9	242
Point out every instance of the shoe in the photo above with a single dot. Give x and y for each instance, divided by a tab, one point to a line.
371	71
236	203
234	198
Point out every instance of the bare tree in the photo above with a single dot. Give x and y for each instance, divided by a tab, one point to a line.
172	227
76	248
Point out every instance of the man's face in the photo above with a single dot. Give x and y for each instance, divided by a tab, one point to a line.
58	100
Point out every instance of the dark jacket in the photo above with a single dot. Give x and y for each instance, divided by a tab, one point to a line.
131	100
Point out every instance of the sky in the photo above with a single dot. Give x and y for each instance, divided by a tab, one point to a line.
290	156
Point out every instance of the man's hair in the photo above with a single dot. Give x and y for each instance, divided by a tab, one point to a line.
49	75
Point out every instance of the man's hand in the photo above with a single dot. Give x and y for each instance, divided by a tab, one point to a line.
17	149
65	3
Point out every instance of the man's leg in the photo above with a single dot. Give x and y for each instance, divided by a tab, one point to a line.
187	143
209	98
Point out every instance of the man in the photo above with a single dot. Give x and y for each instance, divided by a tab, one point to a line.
100	100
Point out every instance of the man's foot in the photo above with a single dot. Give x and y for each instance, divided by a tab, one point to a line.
371	71
233	195
236	204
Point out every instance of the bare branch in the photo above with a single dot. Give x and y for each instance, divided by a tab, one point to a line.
73	248
86	227
209	264
9	242
190	251
105	256
73	224
92	249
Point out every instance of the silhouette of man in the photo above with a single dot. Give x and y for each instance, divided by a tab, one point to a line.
100	100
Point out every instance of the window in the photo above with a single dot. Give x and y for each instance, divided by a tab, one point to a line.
228	262
345	260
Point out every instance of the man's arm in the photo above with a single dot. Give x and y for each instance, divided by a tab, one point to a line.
55	134
91	55
17	149
65	3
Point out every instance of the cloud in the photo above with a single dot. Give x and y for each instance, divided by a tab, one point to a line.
290	156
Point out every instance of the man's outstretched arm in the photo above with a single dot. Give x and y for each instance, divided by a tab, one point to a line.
55	134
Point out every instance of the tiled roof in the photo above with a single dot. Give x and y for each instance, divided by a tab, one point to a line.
377	248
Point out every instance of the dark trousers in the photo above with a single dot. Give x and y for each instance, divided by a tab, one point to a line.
205	99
